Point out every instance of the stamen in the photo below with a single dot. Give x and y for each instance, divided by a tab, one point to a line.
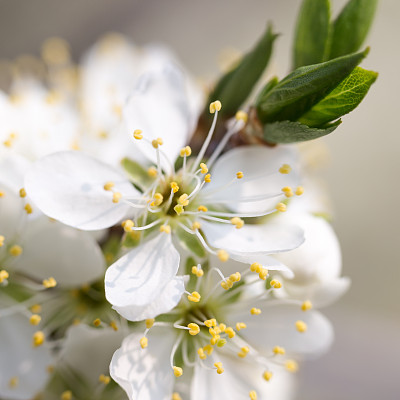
104	379
97	322
307	305
2	239
222	255
291	366
67	395
49	283
128	224
255	311
281	207
116	197
196	270
178	371
194	296
4	275
285	169
218	365
15	250
299	190
108	186
165	228
152	172
137	134
301	326
287	190
176	396
253	395
144	342
279	350
13	382
267	375
38	339
238	222
240	325
239	175
28	208
35	319
22	193
194	329
276	284
243	352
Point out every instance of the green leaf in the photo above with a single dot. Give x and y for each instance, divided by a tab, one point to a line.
268	86
312	33
343	99
292	132
294	95
235	86
351	27
136	172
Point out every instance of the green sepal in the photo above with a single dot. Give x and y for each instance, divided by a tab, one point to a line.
190	242
343	99
267	88
294	95
236	85
312	33
136	172
292	132
351	27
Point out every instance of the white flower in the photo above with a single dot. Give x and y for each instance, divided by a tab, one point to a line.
199	208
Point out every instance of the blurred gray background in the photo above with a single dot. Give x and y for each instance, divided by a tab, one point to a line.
362	175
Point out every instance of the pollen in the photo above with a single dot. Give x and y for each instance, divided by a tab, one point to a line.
28	208
116	197
49	283
281	207
114	326
38	339
202	208
222	255
243	352
183	200
197	271
152	172
13	382
22	193
178	371
150	323
207	178
138	134
267	375
291	366
275	284
255	311
97	322
144	342
238	222
236	277
210	322
158	199
174	187
285	169
203	168
3	275
1	194
230	332
240	325
128	224
2	238
307	305
194	297
67	395
263	274
186	151
239	175
242	116
194	329
301	326
176	396
253	395
157	142
279	350
201	353
108	186
35	319
288	191
165	228
255	267
215	106
299	190
218	365
104	379
15	250
208	349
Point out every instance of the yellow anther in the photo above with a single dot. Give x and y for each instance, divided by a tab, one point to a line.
240	325
2	193
253	395
281	207
275	284
28	208
263	274
279	350
215	106
13	382
128	224
221	343
36	308
157	200
285	169
176	396
255	267
114	326
165	228
179	209
222	255
2	239
186	151
299	190
152	171
239	175
174	187
197	271
301	326
67	395
138	134
3	275
267	375
201	353
242	116
194	297
238	222
38	339
178	371
226	284
22	193
104	379
243	352
35	319
222	327
208	349
196	225
255	311
202	208
15	250
214	339
207	178
218	365
49	283
287	190
291	366
97	322
183	200
209	323
214	331
157	142
230	332
116	197
108	186
150	323
194	329
307	305
235	277
144	342
203	168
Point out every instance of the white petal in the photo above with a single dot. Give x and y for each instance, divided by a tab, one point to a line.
145	374
20	359
252	241
11	213
88	351
275	326
12	170
238	379
260	166
159	108
135	283
68	186
51	249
